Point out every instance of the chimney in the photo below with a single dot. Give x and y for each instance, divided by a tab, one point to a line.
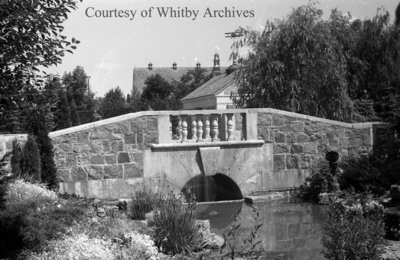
150	66
198	65
174	66
216	62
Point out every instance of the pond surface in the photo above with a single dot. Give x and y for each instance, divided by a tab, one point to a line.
290	230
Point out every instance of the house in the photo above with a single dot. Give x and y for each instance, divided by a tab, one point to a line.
214	94
173	73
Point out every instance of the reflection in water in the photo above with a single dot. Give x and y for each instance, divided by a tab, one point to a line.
290	230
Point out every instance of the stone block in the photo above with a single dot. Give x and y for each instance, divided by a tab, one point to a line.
64	147
112	171
63	175
97	159
110	158
79	173
279	162
123	157
151	124
343	142
296	148
264	119
137	157
310	127
281	148
310	147
96	172
297	126
100	133
83	137
132	170
60	162
264	134
106	146
278	120
292	161
96	146
70	160
140	137
280	137
130	138
285	128
304	162
294	230
316	137
117	146
82	159
302	138
151	138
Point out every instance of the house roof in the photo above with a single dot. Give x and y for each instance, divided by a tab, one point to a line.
141	74
214	86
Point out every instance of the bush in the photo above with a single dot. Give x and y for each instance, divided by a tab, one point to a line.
30	224
31	166
354	228
370	173
143	202
319	181
78	246
174	225
21	191
135	246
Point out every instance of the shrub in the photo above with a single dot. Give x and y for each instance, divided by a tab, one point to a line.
143	202
354	228
31	160
30	224
135	246
21	191
16	158
370	173
319	181
78	246
174	224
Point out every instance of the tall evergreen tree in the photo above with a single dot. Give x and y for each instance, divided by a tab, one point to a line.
63	114
31	166
74	114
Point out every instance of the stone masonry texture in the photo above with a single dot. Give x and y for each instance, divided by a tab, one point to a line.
113	151
300	142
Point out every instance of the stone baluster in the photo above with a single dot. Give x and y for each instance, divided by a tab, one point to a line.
170	130
194	127
199	128
229	125
179	128
184	129
206	127
215	128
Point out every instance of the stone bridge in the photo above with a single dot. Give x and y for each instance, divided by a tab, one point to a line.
243	151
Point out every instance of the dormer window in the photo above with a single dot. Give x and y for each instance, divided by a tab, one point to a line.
198	65
150	66
174	66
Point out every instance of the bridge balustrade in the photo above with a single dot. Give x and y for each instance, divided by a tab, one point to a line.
205	127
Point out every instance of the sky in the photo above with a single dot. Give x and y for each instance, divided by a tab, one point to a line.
111	47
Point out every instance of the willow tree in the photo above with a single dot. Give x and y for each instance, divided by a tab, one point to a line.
296	64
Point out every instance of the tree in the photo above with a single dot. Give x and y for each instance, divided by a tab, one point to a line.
298	65
156	93
190	81
63	114
31	38
31	166
113	103
77	85
38	127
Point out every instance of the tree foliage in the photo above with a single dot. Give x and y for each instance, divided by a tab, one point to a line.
31	38
157	92
338	68
296	65
113	103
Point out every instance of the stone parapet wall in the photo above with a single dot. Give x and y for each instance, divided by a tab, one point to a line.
299	141
104	150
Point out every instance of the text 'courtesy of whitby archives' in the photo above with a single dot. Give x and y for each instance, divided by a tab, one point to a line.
169	12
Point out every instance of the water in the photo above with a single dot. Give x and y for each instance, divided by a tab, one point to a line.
290	230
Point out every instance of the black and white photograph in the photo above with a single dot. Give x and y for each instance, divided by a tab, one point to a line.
200	129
